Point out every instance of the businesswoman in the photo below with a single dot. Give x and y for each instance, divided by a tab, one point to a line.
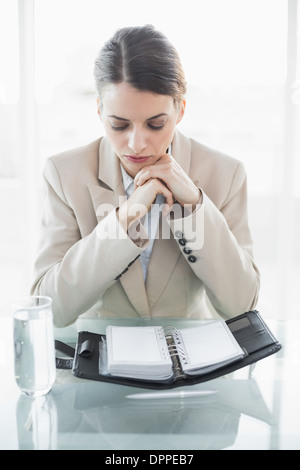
144	221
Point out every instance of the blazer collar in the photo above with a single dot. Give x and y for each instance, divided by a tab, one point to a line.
110	188
109	166
181	150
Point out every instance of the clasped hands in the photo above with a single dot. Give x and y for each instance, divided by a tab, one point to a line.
164	177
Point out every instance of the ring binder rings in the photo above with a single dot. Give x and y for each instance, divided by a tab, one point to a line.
90	357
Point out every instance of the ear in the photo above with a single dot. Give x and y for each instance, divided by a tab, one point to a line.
181	111
98	108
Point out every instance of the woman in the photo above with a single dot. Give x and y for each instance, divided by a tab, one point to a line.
144	222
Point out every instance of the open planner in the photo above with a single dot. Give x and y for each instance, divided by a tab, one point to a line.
158	357
159	353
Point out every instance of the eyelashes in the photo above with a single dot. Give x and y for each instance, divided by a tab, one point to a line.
122	128
156	128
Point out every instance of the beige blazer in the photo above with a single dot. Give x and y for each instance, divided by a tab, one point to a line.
203	267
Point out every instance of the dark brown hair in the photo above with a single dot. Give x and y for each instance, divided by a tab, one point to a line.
144	58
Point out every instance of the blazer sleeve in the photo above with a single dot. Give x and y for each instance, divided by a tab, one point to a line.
222	249
76	271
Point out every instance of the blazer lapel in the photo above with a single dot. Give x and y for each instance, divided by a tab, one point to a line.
164	256
109	193
105	196
181	151
134	286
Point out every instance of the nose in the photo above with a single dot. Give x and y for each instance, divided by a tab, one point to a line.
137	141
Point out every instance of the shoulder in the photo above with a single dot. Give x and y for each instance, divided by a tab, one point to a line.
213	158
216	166
205	157
79	161
76	156
217	173
72	169
208	161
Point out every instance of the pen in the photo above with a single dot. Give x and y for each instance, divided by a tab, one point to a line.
181	394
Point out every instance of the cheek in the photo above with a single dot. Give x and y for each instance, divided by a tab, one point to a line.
116	139
165	138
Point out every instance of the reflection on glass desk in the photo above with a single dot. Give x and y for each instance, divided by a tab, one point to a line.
255	408
111	421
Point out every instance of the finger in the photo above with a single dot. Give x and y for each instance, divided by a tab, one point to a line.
164	190
162	163
154	187
161	172
166	157
141	178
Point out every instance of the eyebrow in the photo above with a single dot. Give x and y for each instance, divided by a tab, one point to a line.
127	120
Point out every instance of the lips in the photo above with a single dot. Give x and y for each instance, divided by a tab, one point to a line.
134	159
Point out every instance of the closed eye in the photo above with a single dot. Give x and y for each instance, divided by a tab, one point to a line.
156	128
122	128
119	128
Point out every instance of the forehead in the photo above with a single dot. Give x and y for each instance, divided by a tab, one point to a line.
127	102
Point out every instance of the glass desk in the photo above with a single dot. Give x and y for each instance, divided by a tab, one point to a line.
256	408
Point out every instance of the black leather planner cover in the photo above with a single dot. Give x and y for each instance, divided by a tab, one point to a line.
249	329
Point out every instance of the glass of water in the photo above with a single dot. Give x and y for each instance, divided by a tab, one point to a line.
34	351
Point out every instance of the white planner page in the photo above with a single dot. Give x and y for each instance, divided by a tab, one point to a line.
135	344
209	344
139	352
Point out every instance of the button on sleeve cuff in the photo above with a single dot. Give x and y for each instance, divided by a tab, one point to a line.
189	230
